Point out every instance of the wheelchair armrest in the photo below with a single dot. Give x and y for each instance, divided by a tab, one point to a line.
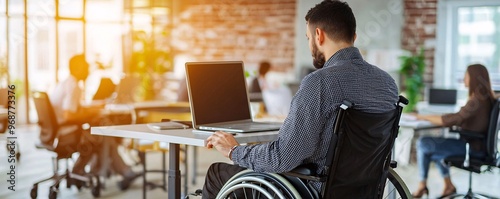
306	172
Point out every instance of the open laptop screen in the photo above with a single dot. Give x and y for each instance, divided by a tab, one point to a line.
217	92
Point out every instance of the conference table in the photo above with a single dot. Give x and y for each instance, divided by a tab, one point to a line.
175	138
148	106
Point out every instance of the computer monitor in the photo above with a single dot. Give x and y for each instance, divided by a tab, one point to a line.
442	96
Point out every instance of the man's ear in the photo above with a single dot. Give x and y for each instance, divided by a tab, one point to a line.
320	36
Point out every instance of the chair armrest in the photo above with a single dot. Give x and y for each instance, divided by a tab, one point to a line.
306	172
471	134
40	145
454	129
466	133
79	124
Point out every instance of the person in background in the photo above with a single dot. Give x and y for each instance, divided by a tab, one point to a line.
259	83
307	130
474	116
66	101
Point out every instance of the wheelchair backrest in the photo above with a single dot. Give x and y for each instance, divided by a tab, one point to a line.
359	157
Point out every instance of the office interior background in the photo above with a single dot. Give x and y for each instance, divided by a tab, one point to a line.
154	38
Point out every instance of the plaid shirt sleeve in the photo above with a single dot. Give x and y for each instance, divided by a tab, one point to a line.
295	143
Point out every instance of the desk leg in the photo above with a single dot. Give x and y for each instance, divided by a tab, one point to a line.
186	169
195	166
402	146
174	174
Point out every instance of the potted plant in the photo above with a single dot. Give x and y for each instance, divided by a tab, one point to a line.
412	73
150	62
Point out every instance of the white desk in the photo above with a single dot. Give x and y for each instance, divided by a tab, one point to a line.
175	138
425	108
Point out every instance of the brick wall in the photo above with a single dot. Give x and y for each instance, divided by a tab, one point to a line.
247	30
419	30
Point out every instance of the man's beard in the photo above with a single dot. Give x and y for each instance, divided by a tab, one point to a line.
318	57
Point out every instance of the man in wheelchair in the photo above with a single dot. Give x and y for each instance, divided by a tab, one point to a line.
307	131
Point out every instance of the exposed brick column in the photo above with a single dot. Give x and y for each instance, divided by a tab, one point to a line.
248	30
419	30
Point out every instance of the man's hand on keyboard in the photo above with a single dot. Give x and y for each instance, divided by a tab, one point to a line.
222	141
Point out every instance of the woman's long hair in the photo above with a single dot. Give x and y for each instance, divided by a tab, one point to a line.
479	82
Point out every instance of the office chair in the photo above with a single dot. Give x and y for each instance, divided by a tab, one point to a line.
63	145
474	163
4	122
365	176
3	104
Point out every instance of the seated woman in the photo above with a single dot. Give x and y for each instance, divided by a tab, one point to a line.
259	83
474	116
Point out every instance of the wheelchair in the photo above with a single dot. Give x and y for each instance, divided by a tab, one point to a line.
370	175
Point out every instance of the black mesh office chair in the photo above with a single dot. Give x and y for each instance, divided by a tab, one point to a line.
64	145
358	163
474	163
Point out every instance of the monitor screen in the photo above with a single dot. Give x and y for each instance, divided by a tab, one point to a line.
442	96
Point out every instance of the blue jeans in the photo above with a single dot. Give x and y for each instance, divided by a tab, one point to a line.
436	149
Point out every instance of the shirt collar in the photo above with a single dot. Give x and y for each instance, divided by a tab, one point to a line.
348	53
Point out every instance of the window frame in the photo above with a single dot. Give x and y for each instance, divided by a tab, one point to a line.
447	22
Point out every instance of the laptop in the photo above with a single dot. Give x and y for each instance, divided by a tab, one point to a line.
126	89
219	100
105	90
442	96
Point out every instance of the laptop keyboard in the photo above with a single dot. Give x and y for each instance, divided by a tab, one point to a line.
250	126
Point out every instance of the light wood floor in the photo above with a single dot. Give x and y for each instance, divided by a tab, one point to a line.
36	164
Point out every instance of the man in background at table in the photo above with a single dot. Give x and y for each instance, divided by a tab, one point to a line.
307	131
66	99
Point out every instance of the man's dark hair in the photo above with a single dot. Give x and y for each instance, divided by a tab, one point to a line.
335	18
77	61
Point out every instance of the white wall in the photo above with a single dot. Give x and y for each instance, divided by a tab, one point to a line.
379	25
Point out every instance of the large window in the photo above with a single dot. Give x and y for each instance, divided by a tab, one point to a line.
3	48
468	32
38	37
41	44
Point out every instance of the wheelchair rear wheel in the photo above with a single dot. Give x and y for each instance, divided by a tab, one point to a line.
250	184
395	188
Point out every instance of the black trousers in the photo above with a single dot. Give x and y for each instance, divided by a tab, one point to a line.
217	175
